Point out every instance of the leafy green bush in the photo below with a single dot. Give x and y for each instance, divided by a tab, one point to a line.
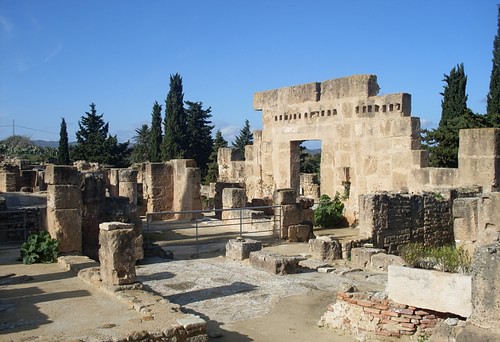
444	258
329	213
39	248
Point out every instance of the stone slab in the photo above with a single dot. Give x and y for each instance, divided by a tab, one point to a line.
284	196
434	290
325	248
361	256
240	249
274	263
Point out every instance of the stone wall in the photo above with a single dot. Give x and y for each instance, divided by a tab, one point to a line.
309	186
172	186
370	142
392	220
366	314
476	220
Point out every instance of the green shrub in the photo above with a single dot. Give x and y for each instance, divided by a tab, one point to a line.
444	258
329	213
39	248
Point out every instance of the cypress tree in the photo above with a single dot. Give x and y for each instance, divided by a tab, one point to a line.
213	166
199	134
493	99
442	142
155	134
244	138
63	150
174	143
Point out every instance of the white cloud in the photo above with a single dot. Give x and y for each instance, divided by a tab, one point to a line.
230	132
427	124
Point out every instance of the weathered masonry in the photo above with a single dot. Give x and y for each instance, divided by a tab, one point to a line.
370	143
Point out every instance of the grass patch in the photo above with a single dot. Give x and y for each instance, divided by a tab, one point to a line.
444	258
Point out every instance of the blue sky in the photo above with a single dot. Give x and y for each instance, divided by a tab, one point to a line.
58	56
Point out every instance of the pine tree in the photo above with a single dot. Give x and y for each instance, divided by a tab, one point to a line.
493	100
213	166
140	152
94	144
244	138
63	151
155	134
442	142
199	135
174	143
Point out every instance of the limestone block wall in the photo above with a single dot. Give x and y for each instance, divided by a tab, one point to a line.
172	186
479	158
7	182
231	165
369	141
392	220
309	186
476	220
64	201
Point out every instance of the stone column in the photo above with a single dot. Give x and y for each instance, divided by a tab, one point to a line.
64	200
117	254
93	188
113	182
127	184
233	198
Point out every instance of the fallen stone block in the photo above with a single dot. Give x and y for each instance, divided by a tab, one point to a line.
274	263
360	257
381	261
239	249
325	248
284	196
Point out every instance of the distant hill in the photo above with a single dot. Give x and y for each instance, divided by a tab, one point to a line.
313	151
45	143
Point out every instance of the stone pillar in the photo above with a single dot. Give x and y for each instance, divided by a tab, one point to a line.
64	200
117	254
93	188
127	184
485	280
290	212
159	185
113	182
233	198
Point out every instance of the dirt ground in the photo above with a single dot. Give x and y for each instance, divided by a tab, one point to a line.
239	303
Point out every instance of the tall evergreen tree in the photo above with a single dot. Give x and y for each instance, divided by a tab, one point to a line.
442	142
63	151
213	166
493	100
155	134
199	135
94	144
174	143
141	151
244	138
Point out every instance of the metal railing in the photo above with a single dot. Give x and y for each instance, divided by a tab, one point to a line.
203	226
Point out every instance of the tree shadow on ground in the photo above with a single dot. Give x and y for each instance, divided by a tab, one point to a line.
210	293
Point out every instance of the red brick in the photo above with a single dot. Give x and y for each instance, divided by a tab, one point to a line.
381	306
403	332
400	319
421	312
411	316
428	321
350	300
429	317
402	311
399	306
408	325
390	313
408	329
372	310
365	303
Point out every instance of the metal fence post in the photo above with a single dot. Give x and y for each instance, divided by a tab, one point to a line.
241	222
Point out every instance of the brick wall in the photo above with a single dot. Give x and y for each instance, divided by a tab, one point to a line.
367	314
